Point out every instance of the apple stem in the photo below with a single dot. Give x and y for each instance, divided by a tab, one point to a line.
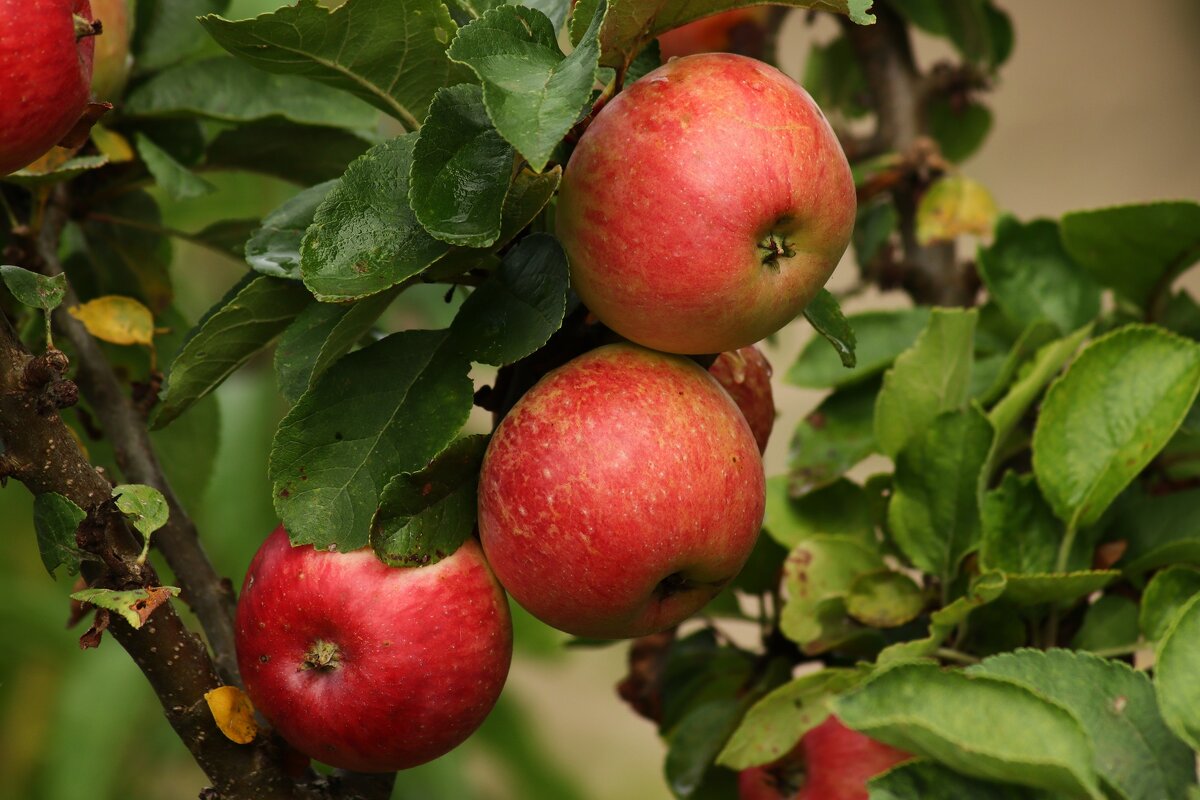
323	655
774	247
85	27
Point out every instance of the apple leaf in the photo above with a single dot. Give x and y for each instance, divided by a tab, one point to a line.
167	31
1028	739
36	291
980	31
1167	593
533	93
1176	663
825	315
928	780
227	89
461	168
841	508
832	438
1056	587
884	599
985	589
1109	415
246	320
818	575
144	506
424	516
1135	249
55	520
274	247
43	173
320	335
1135	752
364	237
116	319
1020	534
1158	530
176	180
135	605
1031	276
631	24
773	725
301	154
233	712
959	128
880	335
933	514
930	378
390	53
1109	623
953	206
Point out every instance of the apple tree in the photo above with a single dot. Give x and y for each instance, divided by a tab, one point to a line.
979	576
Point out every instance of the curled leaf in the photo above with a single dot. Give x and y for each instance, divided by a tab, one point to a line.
233	713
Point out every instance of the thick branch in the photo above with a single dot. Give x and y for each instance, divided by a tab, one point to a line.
211	597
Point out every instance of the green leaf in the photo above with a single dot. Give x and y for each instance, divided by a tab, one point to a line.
928	780
424	516
1027	739
1109	623
320	335
461	168
1159	530
884	599
835	79
390	53
300	154
134	606
165	31
630	24
881	336
825	315
760	574
179	182
517	309
1176	664
1060	587
274	248
930	378
1109	415
818	576
228	90
1031	276
55	520
841	508
383	410
145	506
1020	534
1135	753
1135	249
773	725
242	323
364	237
835	436
34	290
978	30
959	128
933	514
533	94
1167	593
987	588
873	227
68	170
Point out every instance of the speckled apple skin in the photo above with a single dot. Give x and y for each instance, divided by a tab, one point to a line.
831	762
746	374
44	76
620	468
425	652
673	186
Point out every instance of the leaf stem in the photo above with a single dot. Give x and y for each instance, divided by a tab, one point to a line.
950	654
1123	650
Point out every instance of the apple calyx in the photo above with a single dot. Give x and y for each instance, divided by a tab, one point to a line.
774	247
324	656
85	27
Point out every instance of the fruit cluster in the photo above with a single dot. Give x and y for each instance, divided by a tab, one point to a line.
701	210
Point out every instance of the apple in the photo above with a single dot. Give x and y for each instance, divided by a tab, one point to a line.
705	205
831	762
45	69
741	30
620	493
113	61
746	374
368	667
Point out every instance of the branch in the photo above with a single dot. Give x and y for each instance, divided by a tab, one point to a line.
211	597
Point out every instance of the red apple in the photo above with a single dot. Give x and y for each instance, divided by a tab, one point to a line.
831	762
45	71
112	62
705	205
746	374
620	494
368	667
741	30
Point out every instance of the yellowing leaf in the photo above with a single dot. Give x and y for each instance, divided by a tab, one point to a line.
116	319
952	206
233	713
112	144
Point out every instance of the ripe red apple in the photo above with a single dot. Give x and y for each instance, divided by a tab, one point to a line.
368	667
746	374
742	30
45	71
831	762
705	205
620	494
112	61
